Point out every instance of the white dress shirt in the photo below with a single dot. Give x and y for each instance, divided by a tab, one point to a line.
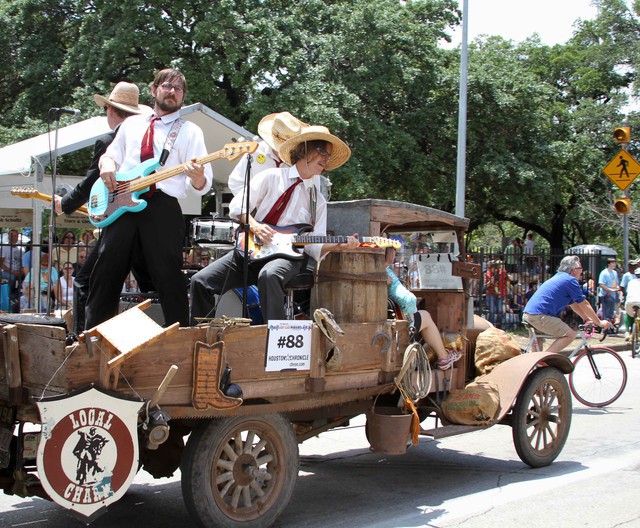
633	296
267	186
125	150
262	159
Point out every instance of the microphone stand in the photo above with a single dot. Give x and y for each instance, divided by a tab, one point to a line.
55	115
245	262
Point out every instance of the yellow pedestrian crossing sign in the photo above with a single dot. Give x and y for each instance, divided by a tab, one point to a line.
622	169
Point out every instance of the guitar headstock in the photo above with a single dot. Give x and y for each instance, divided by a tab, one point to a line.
386	242
24	192
235	150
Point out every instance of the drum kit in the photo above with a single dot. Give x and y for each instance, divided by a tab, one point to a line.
218	236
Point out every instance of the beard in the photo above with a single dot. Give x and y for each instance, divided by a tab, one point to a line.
168	105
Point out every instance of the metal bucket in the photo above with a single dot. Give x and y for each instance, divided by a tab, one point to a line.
388	430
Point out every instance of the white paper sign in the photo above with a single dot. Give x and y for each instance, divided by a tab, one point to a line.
437	274
289	345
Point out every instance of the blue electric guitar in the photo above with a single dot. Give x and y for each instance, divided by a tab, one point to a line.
106	206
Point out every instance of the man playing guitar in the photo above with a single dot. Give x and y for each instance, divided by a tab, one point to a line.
157	231
280	197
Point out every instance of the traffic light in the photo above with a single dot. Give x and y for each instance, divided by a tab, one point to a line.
622	134
622	205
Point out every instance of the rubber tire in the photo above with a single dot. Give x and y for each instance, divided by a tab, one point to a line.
545	420
635	340
210	505
582	357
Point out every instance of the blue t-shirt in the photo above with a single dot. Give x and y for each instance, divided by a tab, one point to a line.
554	295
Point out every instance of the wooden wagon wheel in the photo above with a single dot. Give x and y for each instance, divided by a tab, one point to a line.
542	417
240	471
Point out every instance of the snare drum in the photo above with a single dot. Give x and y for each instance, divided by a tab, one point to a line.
230	304
211	233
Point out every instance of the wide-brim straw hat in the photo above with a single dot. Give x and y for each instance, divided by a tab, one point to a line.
123	96
339	155
277	128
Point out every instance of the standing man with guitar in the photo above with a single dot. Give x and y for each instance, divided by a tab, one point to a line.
157	231
121	104
280	197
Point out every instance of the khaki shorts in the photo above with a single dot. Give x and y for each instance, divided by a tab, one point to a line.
547	324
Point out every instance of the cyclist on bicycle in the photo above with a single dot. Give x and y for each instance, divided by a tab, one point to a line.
553	296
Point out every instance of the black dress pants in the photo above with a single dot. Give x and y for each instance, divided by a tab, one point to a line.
157	232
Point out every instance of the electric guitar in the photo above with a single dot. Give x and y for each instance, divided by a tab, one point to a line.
286	239
27	192
105	206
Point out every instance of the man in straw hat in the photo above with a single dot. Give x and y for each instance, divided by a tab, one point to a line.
308	154
156	232
274	130
121	104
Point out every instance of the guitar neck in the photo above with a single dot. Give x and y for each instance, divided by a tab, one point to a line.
302	240
146	181
37	195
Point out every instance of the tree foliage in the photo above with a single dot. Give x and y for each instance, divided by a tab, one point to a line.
375	72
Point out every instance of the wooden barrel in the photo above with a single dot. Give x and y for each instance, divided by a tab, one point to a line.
353	286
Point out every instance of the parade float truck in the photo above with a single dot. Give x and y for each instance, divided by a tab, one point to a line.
228	402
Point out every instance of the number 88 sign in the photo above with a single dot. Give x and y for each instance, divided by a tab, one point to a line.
288	345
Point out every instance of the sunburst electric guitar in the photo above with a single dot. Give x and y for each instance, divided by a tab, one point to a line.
106	206
27	192
287	239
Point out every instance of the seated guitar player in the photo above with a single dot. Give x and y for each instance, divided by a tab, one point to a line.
280	197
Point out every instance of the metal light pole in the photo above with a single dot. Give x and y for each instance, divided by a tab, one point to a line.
462	114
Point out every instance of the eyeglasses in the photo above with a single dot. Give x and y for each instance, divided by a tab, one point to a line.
105	108
167	87
323	152
68	269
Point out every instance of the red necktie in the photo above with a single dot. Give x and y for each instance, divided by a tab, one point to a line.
146	150
278	208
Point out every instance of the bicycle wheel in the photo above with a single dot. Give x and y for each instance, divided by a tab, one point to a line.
635	339
598	378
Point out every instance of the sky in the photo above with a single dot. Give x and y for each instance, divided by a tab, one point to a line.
518	19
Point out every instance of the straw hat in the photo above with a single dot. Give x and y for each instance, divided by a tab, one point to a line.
123	96
339	155
275	129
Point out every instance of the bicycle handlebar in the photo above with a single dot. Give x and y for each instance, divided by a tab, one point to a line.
588	329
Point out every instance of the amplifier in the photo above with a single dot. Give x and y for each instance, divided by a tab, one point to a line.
129	300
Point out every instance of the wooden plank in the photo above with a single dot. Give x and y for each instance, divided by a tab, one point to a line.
351	380
392	358
362	345
12	364
42	351
451	430
320	346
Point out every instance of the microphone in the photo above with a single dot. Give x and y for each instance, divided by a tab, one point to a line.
70	111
